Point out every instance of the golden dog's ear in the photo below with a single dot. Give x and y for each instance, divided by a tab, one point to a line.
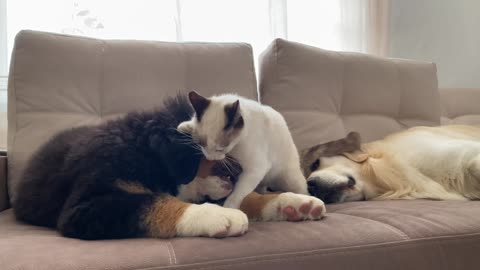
357	156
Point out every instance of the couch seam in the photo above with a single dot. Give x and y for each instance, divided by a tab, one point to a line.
101	79
67	113
275	57
402	90
173	253
184	53
169	255
254	80
10	154
342	98
390	227
390	208
315	252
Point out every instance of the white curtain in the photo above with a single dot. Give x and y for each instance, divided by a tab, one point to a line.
3	38
330	24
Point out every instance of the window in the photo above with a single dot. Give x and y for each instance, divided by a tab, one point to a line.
321	23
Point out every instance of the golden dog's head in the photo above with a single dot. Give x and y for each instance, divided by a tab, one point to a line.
333	170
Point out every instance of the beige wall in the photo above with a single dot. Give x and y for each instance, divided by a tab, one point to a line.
443	31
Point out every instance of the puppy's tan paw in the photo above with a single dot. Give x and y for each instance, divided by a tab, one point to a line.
211	220
294	207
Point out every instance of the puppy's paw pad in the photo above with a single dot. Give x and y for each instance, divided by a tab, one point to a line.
306	207
318	212
291	213
296	207
221	234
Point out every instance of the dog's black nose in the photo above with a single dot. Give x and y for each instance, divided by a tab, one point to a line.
311	185
325	191
311	182
351	181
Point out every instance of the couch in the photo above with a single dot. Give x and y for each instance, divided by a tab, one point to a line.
59	81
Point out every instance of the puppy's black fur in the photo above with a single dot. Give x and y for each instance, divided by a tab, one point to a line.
69	183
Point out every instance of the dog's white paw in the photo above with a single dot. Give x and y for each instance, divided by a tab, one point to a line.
294	207
212	221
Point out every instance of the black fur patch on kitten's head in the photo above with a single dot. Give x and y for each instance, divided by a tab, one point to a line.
199	103
233	117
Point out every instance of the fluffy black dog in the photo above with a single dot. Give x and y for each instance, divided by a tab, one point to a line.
112	180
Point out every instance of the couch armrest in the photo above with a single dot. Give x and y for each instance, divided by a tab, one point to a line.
3	183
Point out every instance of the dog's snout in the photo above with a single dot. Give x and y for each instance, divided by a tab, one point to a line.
317	188
328	192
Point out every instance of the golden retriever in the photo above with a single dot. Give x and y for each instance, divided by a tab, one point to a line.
440	163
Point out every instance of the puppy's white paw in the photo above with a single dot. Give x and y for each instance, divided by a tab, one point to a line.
212	221
294	207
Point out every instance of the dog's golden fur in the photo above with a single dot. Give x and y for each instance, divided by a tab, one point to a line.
441	163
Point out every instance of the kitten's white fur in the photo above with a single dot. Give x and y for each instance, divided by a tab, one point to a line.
264	147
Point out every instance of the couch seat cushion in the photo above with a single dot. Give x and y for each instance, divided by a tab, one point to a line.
369	235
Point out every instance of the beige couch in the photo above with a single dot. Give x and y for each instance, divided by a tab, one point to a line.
60	81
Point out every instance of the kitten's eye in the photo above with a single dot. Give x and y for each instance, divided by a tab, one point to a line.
315	165
220	149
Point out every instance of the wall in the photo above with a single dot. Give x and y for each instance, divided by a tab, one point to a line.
446	32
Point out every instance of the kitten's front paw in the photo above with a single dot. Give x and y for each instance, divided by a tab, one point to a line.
294	207
212	221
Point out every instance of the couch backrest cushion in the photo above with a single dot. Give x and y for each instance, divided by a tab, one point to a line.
460	106
325	94
59	81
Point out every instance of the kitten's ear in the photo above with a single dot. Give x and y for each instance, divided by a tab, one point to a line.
234	107
186	127
234	117
199	103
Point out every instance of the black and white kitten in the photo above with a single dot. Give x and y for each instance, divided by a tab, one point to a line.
255	135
